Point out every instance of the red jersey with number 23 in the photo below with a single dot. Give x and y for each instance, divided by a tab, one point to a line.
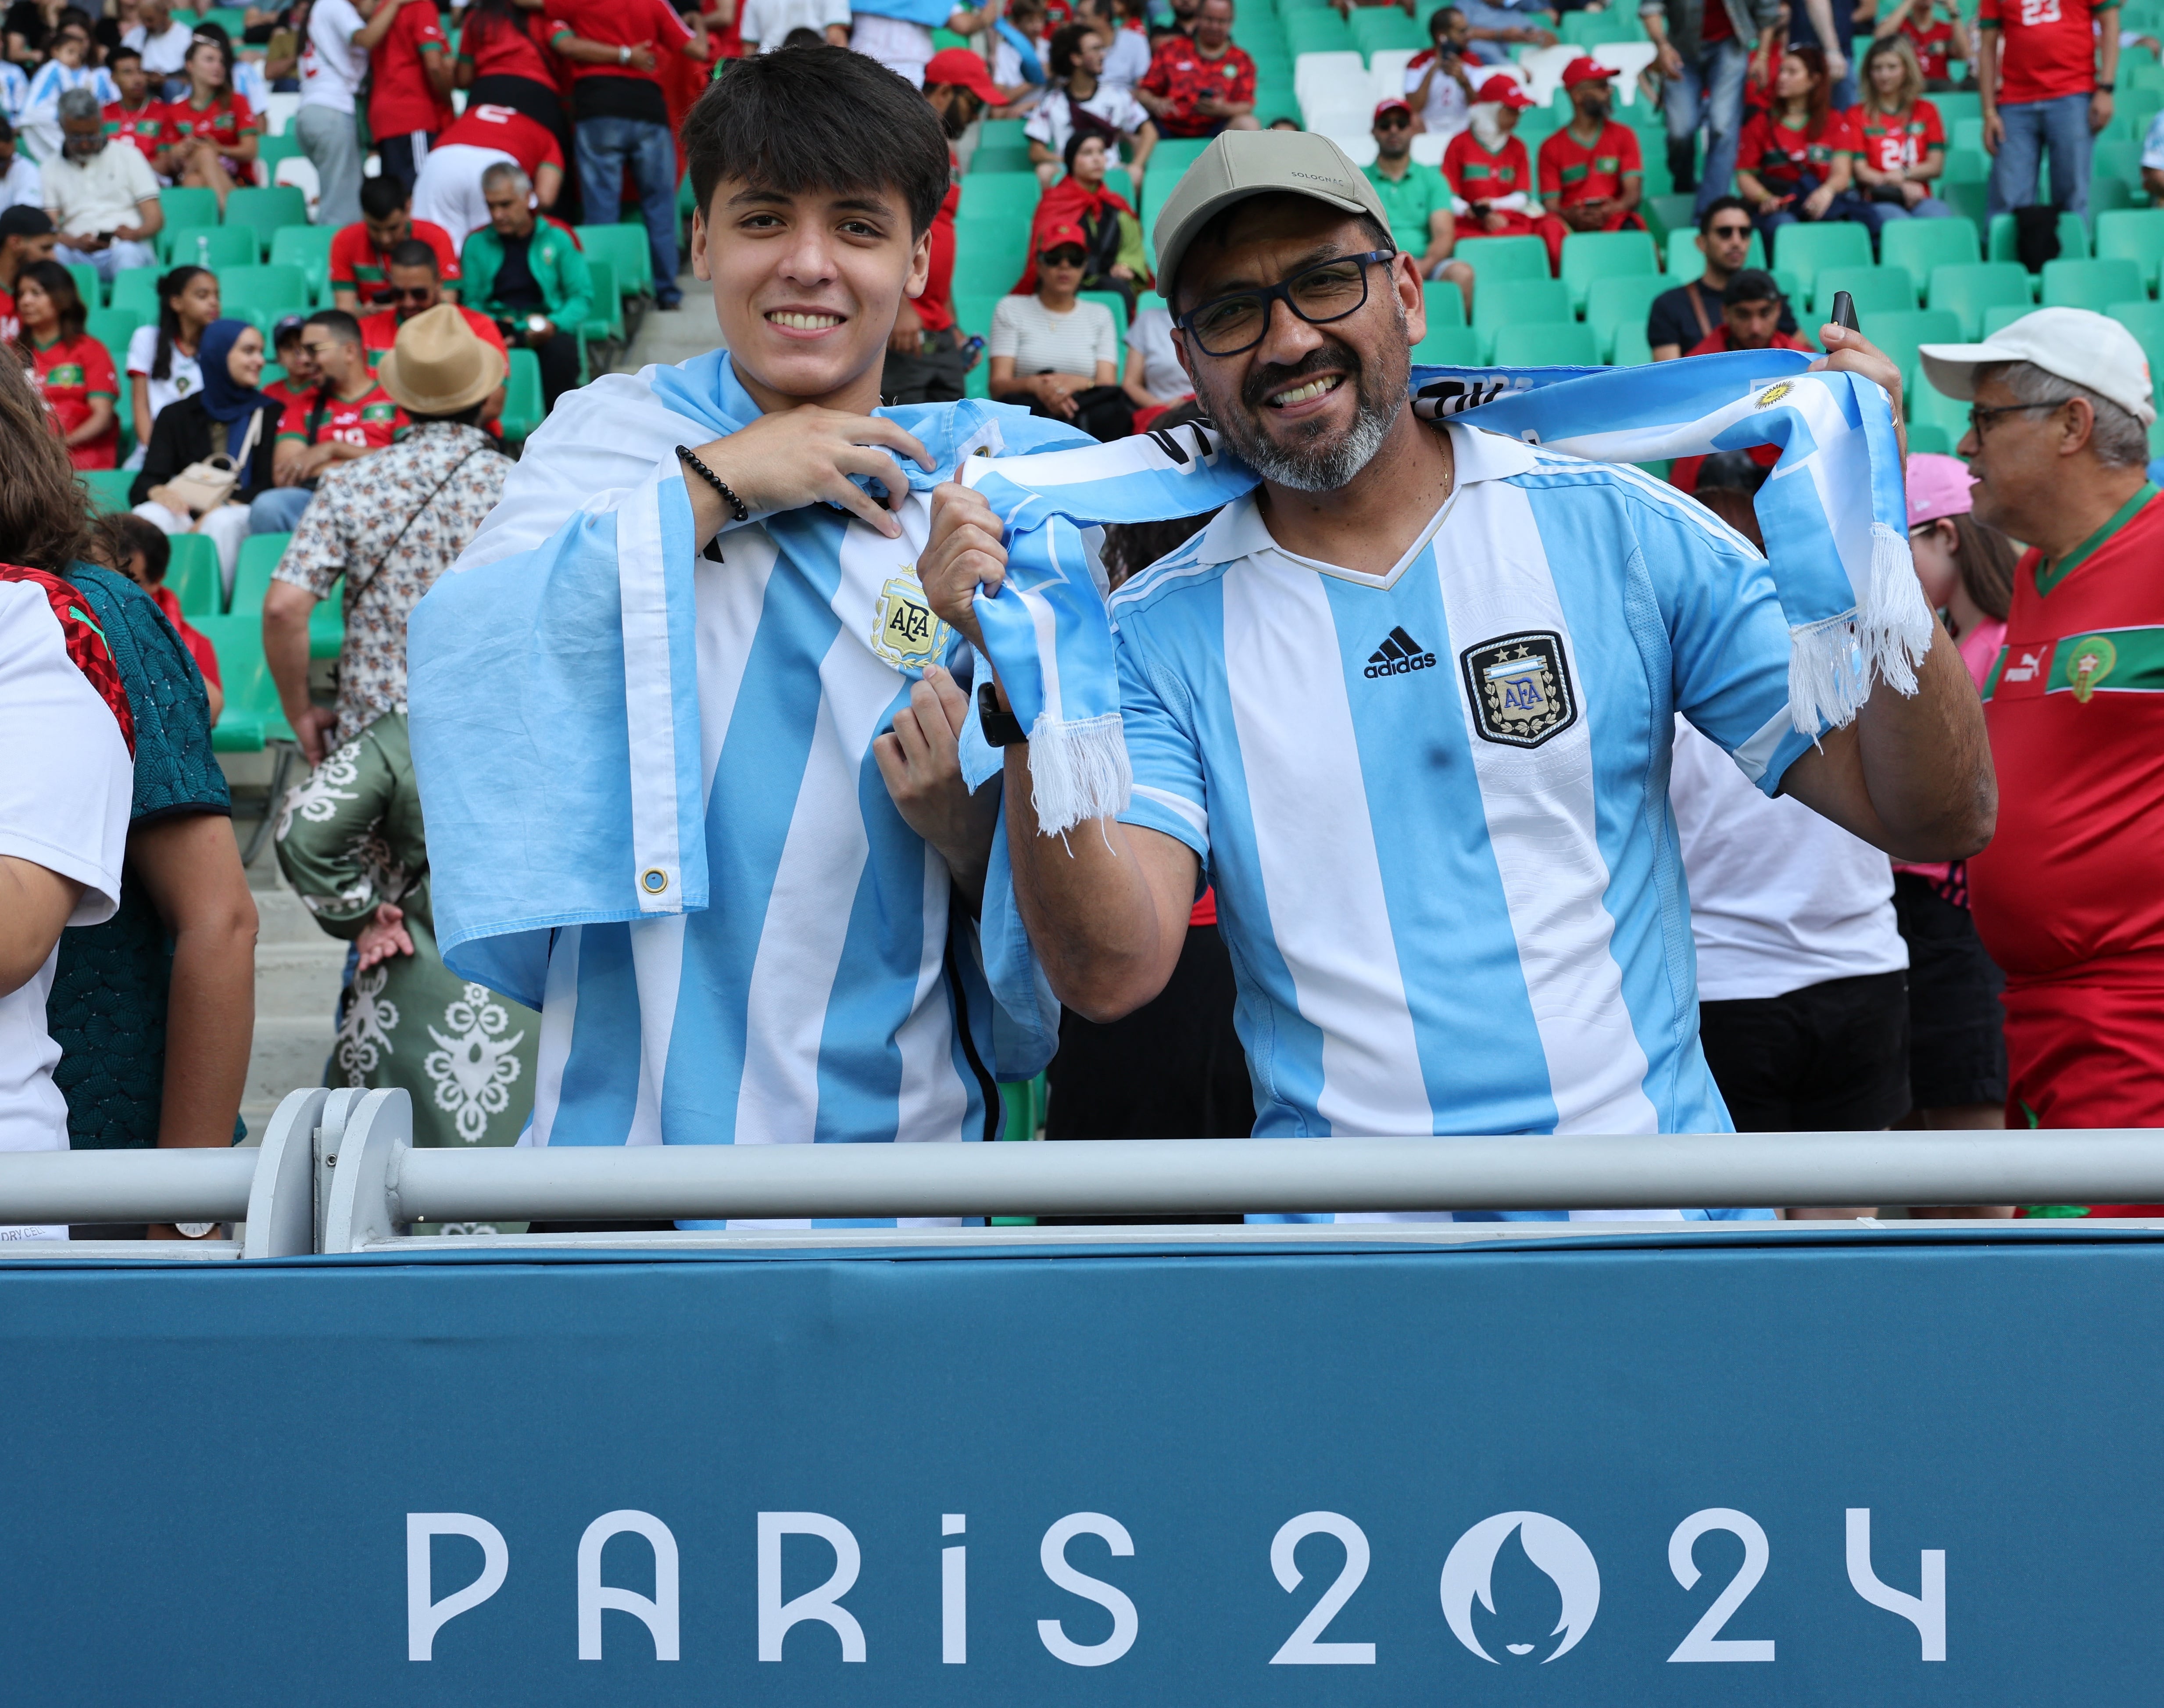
2048	48
2075	707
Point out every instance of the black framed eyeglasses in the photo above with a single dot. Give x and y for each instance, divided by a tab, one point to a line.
1978	415
1328	291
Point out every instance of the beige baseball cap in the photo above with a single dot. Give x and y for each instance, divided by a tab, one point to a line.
2079	345
1243	163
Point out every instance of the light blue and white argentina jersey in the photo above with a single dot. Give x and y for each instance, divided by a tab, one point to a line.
1434	802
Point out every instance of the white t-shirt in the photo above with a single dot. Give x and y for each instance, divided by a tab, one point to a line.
183	376
20	186
1127	59
1449	108
163	56
1162	376
64	798
1006	60
1780	898
1053	121
902	47
1042	342
770	22
100	194
331	65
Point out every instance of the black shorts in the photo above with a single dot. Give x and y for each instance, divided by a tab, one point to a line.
1956	1027
1830	1058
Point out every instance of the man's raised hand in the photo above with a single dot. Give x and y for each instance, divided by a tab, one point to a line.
965	552
806	456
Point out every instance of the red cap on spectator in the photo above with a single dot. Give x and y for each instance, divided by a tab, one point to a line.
1505	89
1391	104
1583	69
959	67
1058	236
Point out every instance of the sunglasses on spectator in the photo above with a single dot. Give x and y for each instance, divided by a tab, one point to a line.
1394	121
1068	257
409	293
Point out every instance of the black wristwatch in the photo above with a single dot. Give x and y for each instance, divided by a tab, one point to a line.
1000	727
2107	88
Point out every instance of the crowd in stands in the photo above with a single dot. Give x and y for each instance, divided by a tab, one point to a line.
461	163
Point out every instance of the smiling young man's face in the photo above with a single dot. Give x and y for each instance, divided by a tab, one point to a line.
806	287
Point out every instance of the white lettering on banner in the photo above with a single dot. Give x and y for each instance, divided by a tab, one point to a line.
660	1614
1550	1544
1301	1649
1705	1642
1927	1612
425	1616
953	1593
1052	1556
823	1604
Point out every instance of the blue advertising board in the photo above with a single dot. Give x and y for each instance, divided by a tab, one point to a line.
1857	1470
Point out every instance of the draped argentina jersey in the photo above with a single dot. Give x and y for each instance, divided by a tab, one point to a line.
1434	802
652	801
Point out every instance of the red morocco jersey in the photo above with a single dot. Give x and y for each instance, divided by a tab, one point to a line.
2075	707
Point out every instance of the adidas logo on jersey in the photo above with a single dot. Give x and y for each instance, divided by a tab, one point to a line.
1399	654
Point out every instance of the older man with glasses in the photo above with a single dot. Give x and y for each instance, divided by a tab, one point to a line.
2067	897
104	200
1409	704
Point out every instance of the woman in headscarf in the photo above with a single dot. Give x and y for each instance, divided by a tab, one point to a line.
1115	256
1490	174
228	418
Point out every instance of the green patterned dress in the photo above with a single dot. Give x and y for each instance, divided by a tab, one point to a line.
348	838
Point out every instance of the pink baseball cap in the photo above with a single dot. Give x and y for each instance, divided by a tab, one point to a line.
1938	486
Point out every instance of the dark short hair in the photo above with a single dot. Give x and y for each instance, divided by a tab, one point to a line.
798	120
1066	43
341	325
383	195
414	253
1436	20
1750	286
119	53
1719	206
118	536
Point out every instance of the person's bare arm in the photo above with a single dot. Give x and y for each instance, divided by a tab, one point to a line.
1832	45
286	609
370	35
2100	100
1666	59
596	53
1891	17
436	65
149	221
95	425
1987	87
548	183
34	905
288	458
190	868
138	406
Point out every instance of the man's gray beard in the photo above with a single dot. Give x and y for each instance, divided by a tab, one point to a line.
1325	468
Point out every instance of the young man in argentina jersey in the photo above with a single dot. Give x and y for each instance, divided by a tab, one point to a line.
685	718
1409	706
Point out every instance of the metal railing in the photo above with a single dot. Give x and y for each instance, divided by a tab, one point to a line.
337	1171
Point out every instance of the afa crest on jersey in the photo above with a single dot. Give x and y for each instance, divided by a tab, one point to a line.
905	632
1521	687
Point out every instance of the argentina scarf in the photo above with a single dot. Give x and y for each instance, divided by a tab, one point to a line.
1832	511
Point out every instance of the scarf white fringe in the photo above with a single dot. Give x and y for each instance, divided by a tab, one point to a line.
1078	771
1832	664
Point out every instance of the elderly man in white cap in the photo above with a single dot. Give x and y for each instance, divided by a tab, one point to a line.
390	523
2067	896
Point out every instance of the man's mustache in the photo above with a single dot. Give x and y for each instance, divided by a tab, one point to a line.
1332	357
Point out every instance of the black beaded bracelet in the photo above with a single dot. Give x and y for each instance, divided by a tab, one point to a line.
715	481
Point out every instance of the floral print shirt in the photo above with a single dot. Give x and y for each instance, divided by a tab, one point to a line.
358	518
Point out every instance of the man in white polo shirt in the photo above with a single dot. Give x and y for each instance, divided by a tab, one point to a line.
103	199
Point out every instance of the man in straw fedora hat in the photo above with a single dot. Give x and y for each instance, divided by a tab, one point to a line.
390	523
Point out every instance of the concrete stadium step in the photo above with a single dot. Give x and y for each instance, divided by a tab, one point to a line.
298	966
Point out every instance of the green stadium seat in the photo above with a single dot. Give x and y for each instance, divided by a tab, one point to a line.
232	19
137	288
1000	196
87	285
191	572
1545	344
1449	347
1618	300
1669	214
1319	33
1929	439
1966	132
997	161
1502	260
522	408
274	289
2145	320
623	247
253	718
1588	256
2111	196
1877	290
112	328
2117	159
1002	133
989	255
1899	334
264	210
2073	238
1174	155
1972	201
1966	290
1445	304
108	489
251	577
270	150
1525	301
1687	261
1956	104
1803	249
1921	244
308	247
2092	284
1631	349
214	246
327	622
2001	315
606	321
184	206
1377	29
2136	234
1932	408
1963	165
